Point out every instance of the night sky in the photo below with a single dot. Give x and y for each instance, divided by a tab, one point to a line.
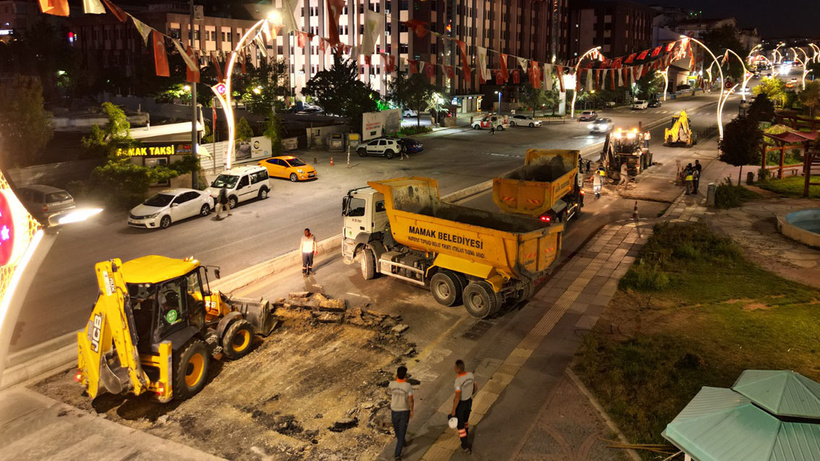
773	18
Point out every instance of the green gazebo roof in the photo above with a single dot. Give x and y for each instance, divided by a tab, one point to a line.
782	393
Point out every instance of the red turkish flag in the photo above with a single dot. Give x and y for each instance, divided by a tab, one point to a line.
244	58
217	67
499	79
192	75
412	66
334	7
597	79
430	70
54	7
160	56
616	63
450	72
535	74
643	54
504	73
116	11
516	76
630	58
465	63
656	51
419	27
301	38
322	48
612	79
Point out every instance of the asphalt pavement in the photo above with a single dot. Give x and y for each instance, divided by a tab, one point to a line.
65	288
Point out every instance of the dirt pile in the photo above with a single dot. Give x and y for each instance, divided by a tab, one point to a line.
311	390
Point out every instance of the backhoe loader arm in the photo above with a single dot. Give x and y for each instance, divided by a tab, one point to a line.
108	328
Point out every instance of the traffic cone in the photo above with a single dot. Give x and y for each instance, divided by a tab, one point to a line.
331	161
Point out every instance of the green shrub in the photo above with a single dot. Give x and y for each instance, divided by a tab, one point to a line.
124	184
644	277
729	196
411	130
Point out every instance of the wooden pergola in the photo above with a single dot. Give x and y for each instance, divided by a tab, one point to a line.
789	139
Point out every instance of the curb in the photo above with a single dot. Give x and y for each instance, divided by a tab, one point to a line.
49	357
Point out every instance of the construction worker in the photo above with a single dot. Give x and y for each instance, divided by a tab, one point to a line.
598	181
309	249
401	407
689	178
698	169
222	203
624	175
466	387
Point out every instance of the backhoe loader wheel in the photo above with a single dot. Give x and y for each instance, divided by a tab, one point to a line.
480	300
190	369
368	264
446	288
238	339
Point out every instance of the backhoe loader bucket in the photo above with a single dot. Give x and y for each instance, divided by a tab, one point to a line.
256	311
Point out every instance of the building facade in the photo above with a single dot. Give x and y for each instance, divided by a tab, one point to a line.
618	27
15	17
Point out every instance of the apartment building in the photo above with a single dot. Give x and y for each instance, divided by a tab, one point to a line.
618	27
15	17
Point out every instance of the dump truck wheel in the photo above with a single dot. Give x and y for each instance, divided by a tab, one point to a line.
368	264
238	339
480	300
190	369
446	288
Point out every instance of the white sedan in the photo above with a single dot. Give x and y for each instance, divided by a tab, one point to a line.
170	206
523	120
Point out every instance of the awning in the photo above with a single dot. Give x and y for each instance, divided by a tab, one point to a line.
792	137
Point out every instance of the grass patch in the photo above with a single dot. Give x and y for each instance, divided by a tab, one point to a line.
730	196
657	344
790	186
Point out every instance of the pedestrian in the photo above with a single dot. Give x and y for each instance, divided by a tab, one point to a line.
308	247
492	127
404	153
689	177
401	407
589	165
222	203
598	182
696	176
624	176
466	387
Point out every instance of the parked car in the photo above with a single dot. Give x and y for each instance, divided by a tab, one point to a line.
243	183
170	206
385	147
655	103
684	87
411	146
588	116
288	167
640	105
601	125
43	201
524	120
410	113
500	123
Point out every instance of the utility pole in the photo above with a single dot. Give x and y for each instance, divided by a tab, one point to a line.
194	134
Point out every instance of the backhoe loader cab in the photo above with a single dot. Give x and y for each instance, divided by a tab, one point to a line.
630	147
155	326
680	132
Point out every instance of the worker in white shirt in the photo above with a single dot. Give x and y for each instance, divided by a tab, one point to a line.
308	247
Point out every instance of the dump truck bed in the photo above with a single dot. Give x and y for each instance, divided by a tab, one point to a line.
547	175
513	246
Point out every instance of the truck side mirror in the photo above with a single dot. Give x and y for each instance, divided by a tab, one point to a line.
217	273
344	204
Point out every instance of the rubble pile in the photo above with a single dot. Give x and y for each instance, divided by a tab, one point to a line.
322	309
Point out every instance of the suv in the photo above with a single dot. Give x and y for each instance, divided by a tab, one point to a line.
242	184
385	147
524	120
640	105
42	201
588	116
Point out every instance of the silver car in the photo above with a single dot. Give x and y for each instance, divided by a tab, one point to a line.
170	206
43	201
601	125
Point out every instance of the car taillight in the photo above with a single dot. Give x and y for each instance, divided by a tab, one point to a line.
45	208
582	192
545	219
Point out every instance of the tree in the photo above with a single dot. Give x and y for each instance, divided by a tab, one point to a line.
414	92
810	97
115	134
339	91
275	131
649	85
537	97
721	38
741	143
262	86
762	109
244	132
773	88
25	126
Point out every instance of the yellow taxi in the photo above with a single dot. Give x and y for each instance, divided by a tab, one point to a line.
288	167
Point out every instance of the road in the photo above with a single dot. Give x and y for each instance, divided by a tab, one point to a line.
65	288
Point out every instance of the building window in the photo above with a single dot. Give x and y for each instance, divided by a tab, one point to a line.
433	48
176	33
403	48
404	5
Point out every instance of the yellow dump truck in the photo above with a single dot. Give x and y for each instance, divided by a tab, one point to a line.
155	326
549	186
402	229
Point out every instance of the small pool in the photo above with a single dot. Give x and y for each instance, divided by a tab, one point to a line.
801	225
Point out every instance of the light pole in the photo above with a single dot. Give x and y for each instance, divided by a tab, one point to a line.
499	102
803	62
721	98
665	74
593	52
816	51
194	131
778	57
746	75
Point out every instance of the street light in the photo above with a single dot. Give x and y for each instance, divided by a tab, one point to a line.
499	101
721	99
803	62
746	74
590	52
186	88
778	57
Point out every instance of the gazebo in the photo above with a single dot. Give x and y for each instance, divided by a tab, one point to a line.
767	415
788	139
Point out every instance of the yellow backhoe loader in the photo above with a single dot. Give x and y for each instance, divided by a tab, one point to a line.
680	133
156	324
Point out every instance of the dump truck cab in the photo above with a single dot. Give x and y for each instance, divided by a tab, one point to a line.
155	325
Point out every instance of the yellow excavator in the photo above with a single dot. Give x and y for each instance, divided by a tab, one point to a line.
680	133
156	325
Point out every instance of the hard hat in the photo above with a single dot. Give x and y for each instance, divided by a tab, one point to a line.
452	422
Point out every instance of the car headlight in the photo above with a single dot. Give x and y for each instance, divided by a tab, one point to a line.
153	215
300	170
